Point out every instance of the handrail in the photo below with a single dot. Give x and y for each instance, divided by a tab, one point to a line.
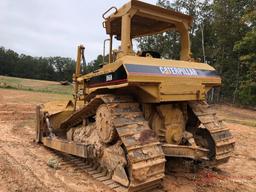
104	51
104	24
104	14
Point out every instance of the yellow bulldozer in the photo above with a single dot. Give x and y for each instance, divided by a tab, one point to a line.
137	109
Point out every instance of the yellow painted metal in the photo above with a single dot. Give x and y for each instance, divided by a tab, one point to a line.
80	49
174	122
136	60
55	107
110	57
39	120
58	118
80	57
66	146
147	19
157	87
58	111
126	34
193	152
185	52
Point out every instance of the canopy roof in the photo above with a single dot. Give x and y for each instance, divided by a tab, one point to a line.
146	19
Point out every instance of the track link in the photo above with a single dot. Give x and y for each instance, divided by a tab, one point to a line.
93	169
224	142
144	152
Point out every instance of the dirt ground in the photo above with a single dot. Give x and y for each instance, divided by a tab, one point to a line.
23	164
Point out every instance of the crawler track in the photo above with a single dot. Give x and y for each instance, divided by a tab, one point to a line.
93	169
143	151
146	160
222	143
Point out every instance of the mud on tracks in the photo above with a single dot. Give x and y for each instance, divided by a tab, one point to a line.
23	164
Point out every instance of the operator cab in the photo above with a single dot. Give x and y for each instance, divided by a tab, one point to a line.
138	19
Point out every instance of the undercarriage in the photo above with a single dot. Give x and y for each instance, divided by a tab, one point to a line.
129	140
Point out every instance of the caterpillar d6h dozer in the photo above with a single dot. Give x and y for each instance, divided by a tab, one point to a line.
138	109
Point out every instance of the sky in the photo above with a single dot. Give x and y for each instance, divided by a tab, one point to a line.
54	27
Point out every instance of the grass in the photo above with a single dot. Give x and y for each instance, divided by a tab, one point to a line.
34	85
236	115
251	122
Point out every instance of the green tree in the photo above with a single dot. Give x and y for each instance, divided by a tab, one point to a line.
246	48
8	60
96	64
63	67
25	66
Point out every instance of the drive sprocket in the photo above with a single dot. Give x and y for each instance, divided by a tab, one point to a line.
104	124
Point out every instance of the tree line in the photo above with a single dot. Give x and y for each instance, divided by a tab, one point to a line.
223	35
44	68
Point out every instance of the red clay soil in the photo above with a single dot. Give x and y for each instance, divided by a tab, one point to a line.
23	164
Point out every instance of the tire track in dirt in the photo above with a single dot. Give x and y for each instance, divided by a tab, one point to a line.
67	178
36	167
17	176
30	161
35	157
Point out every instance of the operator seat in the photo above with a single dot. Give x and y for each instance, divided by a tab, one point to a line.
154	54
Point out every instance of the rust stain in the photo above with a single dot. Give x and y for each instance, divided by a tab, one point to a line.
146	136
